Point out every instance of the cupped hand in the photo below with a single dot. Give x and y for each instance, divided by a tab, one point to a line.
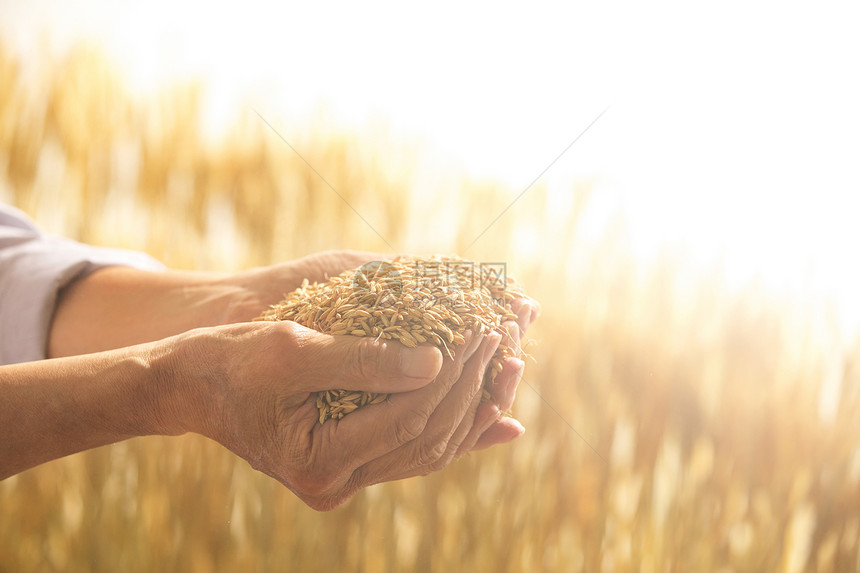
491	423
256	387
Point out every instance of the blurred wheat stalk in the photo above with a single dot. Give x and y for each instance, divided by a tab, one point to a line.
725	424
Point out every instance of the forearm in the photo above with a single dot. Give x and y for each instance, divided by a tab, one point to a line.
118	306
53	408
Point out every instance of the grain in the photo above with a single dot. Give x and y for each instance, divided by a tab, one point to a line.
414	300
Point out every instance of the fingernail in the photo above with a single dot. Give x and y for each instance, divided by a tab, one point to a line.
513	334
493	340
420	362
468	337
536	312
505	389
519	429
515	382
518	369
473	341
524	313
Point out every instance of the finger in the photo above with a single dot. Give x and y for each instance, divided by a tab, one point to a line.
503	394
523	309
364	363
342	483
504	388
464	428
511	340
488	430
455	415
374	431
512	336
471	345
429	451
536	310
487	415
502	432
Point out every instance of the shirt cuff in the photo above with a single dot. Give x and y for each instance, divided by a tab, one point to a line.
33	273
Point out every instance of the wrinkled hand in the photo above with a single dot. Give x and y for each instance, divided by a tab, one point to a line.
266	286
261	404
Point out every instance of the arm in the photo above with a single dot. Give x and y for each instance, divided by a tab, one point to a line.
120	306
52	408
252	388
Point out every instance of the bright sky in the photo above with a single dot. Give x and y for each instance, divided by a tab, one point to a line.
733	130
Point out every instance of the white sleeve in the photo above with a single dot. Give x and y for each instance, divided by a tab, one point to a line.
33	268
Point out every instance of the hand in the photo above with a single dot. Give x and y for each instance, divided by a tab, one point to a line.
261	404
255	290
267	286
118	306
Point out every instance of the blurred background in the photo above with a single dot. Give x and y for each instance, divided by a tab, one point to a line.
693	401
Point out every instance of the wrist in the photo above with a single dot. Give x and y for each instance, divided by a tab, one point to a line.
183	383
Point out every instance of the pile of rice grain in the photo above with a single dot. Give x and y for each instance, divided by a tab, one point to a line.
410	299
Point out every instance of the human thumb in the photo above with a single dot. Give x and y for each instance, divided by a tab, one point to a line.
364	363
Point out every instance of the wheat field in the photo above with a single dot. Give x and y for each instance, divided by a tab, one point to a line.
673	424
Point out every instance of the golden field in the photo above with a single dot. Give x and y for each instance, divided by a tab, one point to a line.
673	424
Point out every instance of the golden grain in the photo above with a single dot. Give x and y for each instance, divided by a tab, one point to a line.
437	308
